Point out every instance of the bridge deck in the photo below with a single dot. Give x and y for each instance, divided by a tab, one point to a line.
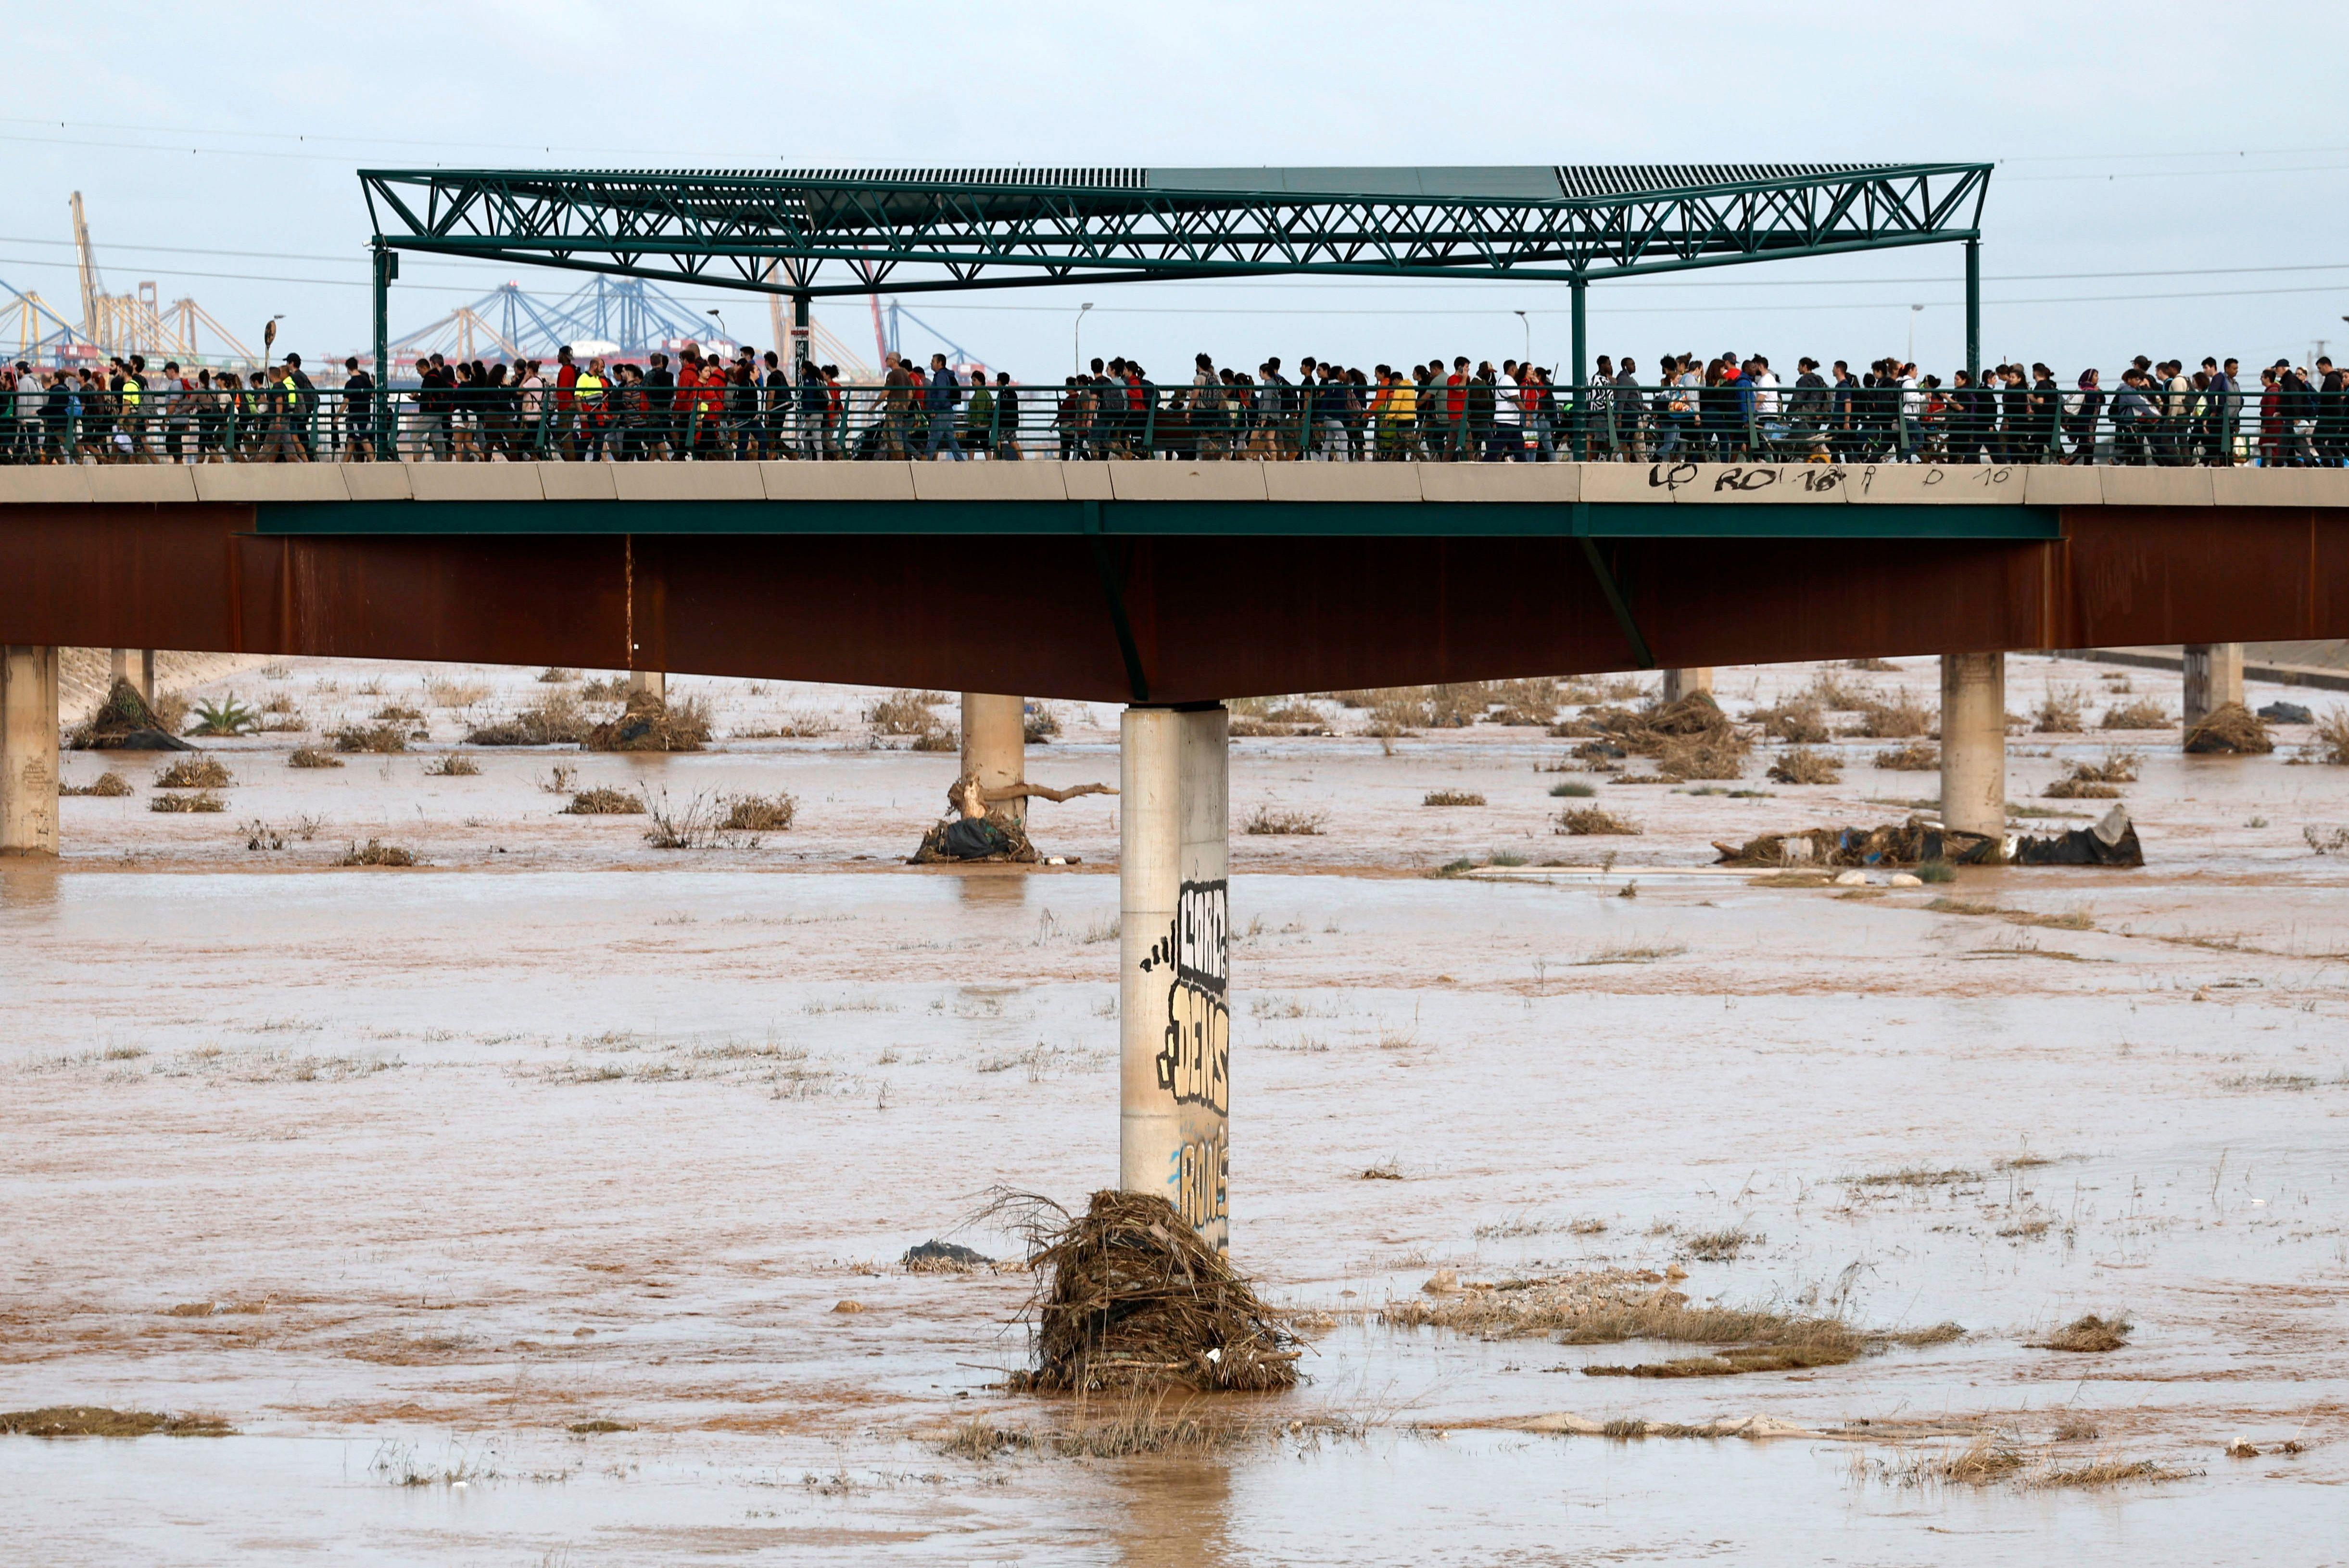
1239	497
1161	581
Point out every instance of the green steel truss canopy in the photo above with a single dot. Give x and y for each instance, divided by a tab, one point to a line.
810	231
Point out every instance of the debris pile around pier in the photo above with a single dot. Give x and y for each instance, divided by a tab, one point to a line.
1128	1297
126	721
649	723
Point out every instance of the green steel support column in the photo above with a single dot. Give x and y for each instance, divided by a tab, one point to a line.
386	268
1581	364
799	336
1973	311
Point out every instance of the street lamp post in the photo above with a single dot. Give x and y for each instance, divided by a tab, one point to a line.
1077	341
1526	322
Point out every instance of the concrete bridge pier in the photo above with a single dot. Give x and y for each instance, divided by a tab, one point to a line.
1174	952
1678	684
995	749
28	751
1973	742
652	682
136	666
2214	677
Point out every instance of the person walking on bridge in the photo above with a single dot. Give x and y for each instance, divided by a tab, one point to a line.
939	398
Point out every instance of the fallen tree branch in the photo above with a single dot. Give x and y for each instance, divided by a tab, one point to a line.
1025	791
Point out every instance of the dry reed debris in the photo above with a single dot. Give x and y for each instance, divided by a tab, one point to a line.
555	719
2107	1470
375	852
905	712
311	756
759	813
384	738
1607	1306
194	773
2097	780
604	802
2059	710
1900	718
1452	798
2090	1335
2230	728
447	691
109	785
452	765
1797	721
1801	765
2329	741
1137	1422
1688	738
202	800
1129	1297
1917	757
2143	714
1268	820
1594	822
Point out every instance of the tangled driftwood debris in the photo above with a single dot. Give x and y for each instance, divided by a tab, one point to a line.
976	827
1128	1297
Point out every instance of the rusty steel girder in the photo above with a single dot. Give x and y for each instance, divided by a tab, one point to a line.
1201	617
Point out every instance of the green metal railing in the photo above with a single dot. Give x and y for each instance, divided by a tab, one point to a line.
1093	422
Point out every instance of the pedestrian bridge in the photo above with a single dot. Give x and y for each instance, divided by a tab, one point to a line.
1163	581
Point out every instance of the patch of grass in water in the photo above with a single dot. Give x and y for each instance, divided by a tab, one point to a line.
99	1422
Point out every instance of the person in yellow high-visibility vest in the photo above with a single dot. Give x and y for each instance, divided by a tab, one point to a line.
284	413
588	394
134	413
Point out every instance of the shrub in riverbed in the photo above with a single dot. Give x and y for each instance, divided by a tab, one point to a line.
1801	765
381	738
759	814
109	784
377	853
194	773
1269	820
604	802
202	800
1591	821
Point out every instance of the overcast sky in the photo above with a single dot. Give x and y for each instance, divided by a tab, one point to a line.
2170	176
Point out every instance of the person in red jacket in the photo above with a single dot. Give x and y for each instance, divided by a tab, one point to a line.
566	401
688	393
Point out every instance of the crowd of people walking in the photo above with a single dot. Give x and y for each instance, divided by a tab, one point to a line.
711	406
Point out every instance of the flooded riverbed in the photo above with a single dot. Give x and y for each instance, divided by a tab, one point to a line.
405	1174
